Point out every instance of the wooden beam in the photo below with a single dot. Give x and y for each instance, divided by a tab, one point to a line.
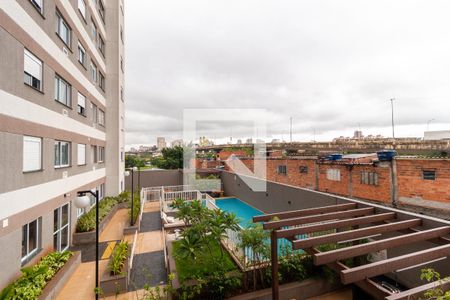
283	233
357	250
388	265
418	292
304	212
318	218
354	234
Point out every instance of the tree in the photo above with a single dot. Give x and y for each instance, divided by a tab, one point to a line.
134	161
172	158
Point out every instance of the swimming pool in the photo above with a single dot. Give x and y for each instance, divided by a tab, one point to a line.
245	213
242	210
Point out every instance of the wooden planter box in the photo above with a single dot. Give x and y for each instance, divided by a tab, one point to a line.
116	284
132	229
54	286
80	238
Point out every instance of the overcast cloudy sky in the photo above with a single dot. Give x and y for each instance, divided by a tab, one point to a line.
331	65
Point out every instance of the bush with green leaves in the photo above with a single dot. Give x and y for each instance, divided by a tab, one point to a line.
136	207
35	278
87	221
118	258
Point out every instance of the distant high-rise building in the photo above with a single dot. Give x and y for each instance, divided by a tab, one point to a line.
239	141
161	143
358	134
249	141
177	143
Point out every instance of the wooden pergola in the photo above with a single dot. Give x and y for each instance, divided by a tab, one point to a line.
352	222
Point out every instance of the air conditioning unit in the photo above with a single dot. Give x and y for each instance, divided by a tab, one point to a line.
64	174
65	112
66	52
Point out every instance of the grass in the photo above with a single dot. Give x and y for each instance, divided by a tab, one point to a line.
204	265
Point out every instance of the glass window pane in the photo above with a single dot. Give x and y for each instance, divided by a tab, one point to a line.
32	236
64	154
24	240
64	238
55	219
64	215
57	155
55	241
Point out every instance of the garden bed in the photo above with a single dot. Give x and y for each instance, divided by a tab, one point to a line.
45	279
115	278
55	285
79	238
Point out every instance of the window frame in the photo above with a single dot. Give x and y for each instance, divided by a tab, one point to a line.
101	44
36	59
101	11
78	155
427	177
303	169
81	109
69	154
40	153
101	81
94	72
58	80
39	8
30	254
369	178
83	13
333	174
94	31
59	229
282	169
101	154
81	49
60	20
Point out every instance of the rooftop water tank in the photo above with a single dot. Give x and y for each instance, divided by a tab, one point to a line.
386	155
335	156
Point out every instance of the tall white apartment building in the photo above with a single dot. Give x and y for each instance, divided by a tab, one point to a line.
61	120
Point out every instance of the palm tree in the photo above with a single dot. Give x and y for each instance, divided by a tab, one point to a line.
189	245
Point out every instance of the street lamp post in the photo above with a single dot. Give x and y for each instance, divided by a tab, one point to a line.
82	201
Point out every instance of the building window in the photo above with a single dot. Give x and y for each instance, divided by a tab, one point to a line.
429	174
94	154
101	45
101	81
94	31
94	113
101	117
62	154
370	178
61	221
30	240
121	93
62	29
39	5
62	91
101	191
121	64
101	154
32	154
81	153
32	68
82	8
282	169
121	34
303	169
121	156
81	104
101	10
81	54
93	72
334	174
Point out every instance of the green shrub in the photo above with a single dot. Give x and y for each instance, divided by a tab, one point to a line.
34	278
136	207
118	258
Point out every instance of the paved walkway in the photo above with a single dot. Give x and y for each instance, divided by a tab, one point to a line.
148	261
82	282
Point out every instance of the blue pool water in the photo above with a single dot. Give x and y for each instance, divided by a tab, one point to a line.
245	213
242	210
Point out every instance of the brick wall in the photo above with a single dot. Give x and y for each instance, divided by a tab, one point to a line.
330	186
381	191
293	175
412	185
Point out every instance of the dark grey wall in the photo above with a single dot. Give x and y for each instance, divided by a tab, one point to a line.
277	197
151	178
